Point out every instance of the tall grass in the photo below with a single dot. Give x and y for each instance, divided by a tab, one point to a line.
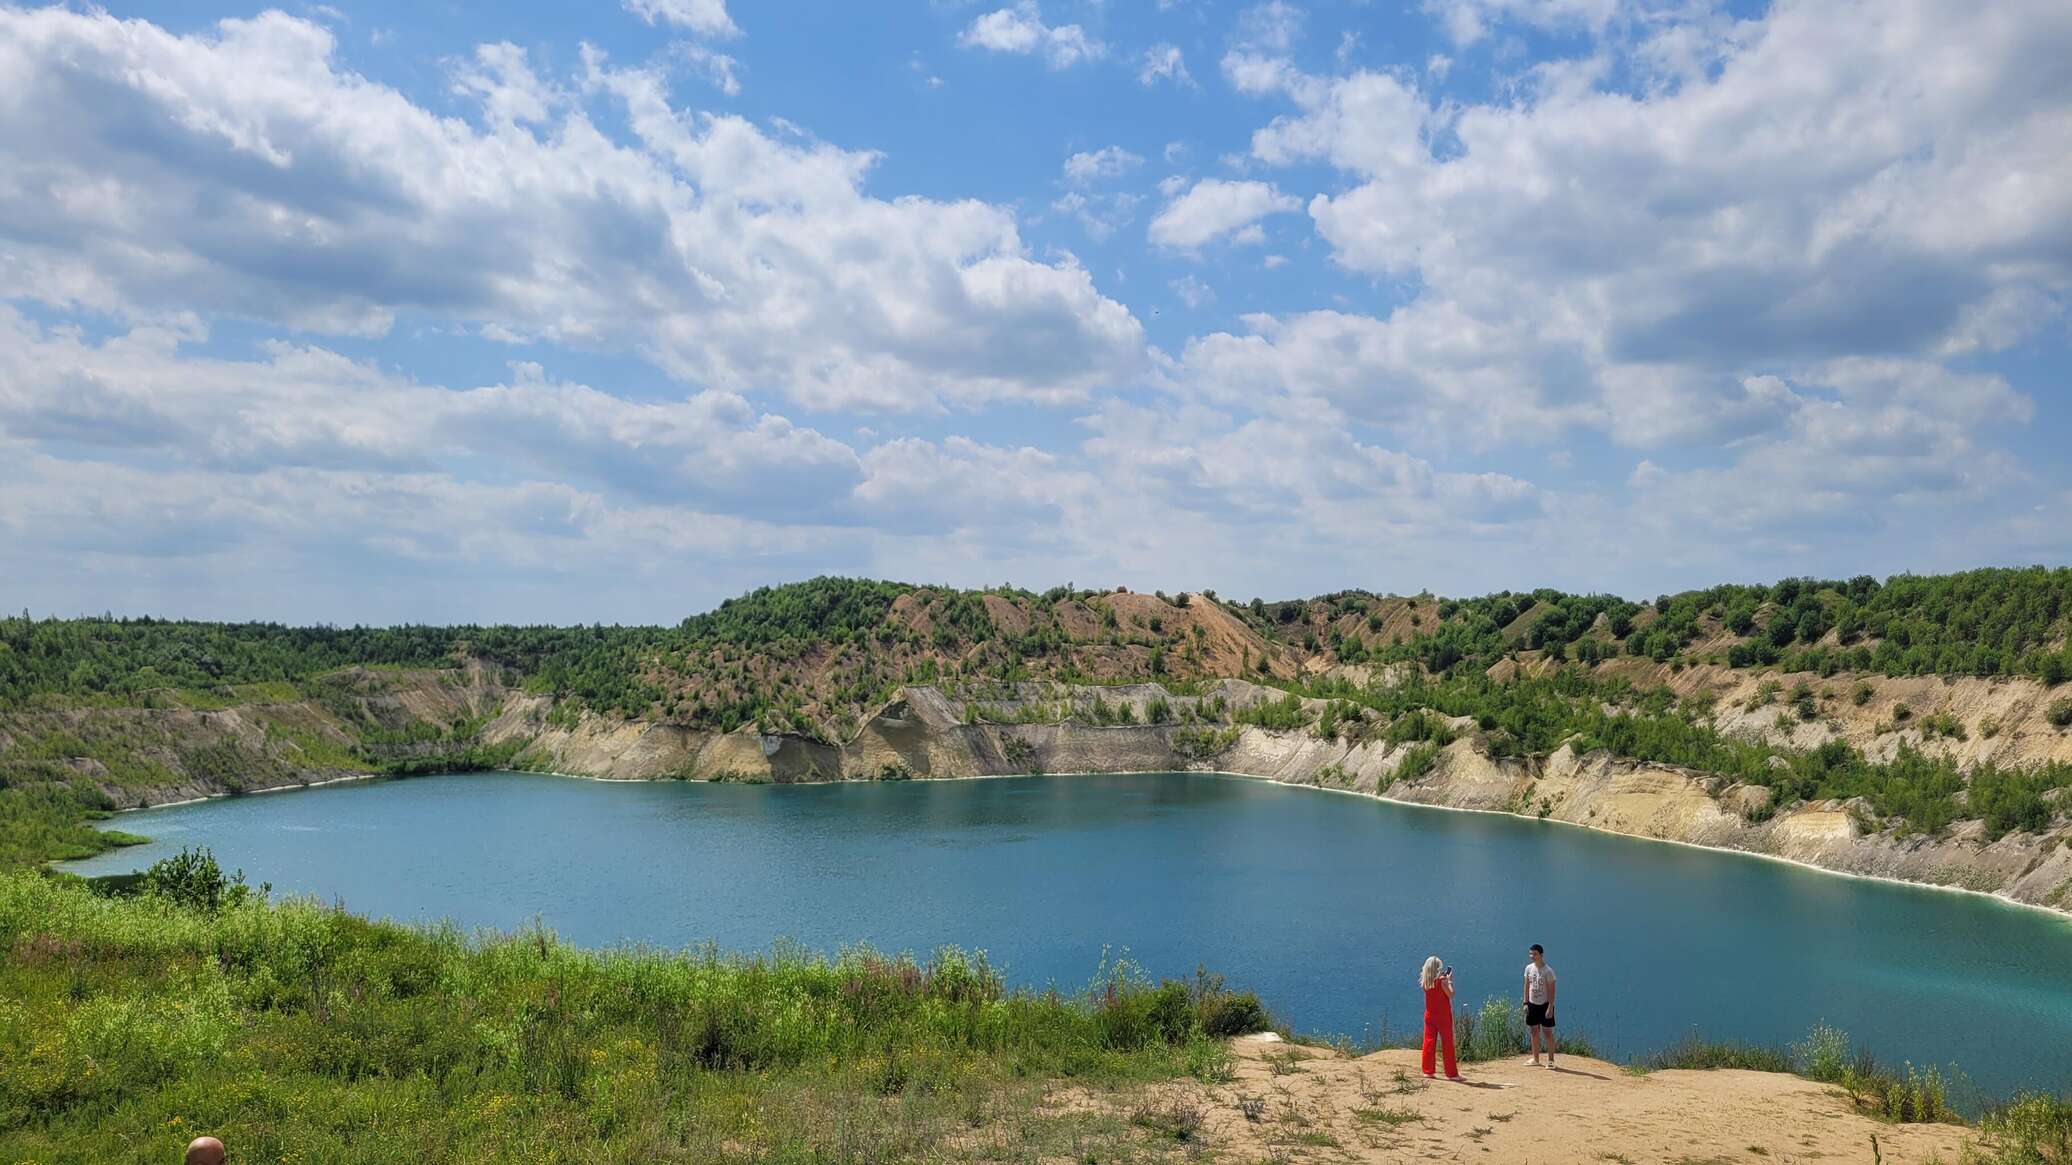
1908	1093
2033	1129
1497	1030
303	1033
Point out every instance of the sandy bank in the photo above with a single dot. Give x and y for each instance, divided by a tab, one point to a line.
1318	1105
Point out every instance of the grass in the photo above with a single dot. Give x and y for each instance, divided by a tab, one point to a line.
1391	1117
2033	1129
303	1033
1905	1094
1171	1120
1497	1029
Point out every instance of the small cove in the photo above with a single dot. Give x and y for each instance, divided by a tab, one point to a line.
1325	905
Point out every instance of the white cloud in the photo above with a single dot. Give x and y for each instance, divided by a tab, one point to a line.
1440	378
1020	30
716	67
917	486
704	17
1100	214
1164	62
1108	162
1257	74
1271	27
502	80
241	172
1193	292
1468	21
1869	182
1774	240
1215	208
1871	448
307	407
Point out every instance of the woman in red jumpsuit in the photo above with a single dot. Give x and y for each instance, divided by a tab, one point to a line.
1438	1023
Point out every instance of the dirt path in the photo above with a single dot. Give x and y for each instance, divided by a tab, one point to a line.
1316	1105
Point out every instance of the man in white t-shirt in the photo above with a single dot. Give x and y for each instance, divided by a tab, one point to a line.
1539	1004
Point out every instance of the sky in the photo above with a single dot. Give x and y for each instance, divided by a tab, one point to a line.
450	311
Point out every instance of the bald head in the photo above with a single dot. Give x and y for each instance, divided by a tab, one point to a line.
205	1151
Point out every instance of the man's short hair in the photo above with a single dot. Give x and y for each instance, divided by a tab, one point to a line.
1538	949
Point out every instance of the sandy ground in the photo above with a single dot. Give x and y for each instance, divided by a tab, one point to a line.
1316	1105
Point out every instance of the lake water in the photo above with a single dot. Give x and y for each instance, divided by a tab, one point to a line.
1324	904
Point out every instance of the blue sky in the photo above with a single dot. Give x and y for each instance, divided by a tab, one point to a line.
378	312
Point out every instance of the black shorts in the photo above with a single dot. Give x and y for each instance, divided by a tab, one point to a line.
1539	1015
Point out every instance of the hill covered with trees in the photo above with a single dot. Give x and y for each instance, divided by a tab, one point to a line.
797	656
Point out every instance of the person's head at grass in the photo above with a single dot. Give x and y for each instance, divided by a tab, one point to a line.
205	1151
1430	974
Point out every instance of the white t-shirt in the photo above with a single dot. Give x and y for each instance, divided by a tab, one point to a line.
1538	978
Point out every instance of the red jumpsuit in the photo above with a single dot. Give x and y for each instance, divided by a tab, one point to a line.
1439	1026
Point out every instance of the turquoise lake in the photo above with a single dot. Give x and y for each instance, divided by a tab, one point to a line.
1324	904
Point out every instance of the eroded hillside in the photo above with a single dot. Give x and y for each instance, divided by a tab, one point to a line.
1916	729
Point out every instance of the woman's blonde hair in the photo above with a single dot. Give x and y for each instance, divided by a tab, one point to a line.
1430	974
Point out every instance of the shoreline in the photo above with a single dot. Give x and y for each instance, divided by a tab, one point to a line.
2063	915
1991	895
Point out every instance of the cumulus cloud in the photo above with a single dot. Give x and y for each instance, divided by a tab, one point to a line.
704	17
1631	261
1099	214
300	544
1468	21
241	171
713	65
1020	30
1742	283
1271	27
1193	292
306	407
1235	480
303	460
1868	451
915	486
1108	162
1164	62
1258	61
1215	208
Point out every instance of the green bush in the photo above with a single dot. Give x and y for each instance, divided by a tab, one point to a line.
1172	1012
1418	760
1921	1096
2033	1129
1232	1014
2060	713
192	879
1496	1031
1824	1055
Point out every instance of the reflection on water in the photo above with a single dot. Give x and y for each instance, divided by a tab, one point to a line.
1325	904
